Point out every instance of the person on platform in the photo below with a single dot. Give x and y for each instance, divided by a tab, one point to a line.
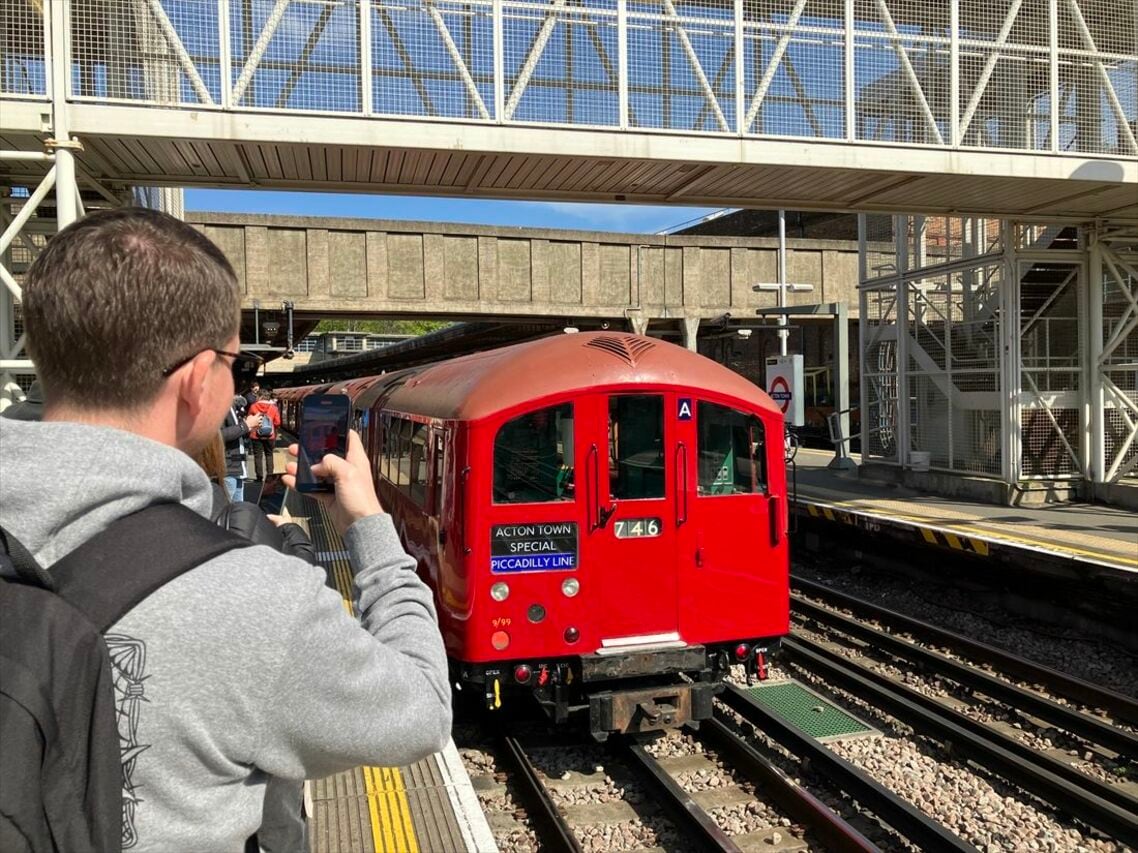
261	441
248	665
284	826
28	409
235	432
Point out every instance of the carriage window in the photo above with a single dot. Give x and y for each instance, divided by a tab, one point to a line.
439	459
533	457
732	455
388	446
418	467
636	447
401	457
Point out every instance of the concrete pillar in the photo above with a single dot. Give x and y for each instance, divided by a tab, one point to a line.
691	332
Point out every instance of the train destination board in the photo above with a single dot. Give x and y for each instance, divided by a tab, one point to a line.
533	547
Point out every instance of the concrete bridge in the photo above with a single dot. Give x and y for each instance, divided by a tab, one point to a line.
358	267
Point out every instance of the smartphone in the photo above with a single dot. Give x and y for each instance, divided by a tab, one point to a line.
323	430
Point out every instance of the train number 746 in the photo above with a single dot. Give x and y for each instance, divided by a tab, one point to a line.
635	528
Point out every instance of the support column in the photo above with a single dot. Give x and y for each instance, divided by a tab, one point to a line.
1010	380
1095	397
901	237
691	332
66	184
841	459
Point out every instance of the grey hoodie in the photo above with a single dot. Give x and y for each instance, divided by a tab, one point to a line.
244	666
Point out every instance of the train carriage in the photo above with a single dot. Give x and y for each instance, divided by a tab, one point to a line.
602	518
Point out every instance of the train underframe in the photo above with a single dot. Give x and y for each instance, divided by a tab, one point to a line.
633	691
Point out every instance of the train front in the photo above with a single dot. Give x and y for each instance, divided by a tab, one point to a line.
626	544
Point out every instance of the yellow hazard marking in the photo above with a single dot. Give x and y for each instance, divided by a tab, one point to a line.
980	541
497	694
392	828
391	824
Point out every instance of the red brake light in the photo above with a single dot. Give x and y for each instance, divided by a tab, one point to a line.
741	651
522	673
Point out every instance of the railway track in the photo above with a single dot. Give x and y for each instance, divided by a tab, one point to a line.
667	785
865	660
1122	709
832	802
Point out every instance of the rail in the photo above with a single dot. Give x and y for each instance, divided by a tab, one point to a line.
1076	722
890	808
549	822
681	807
1097	804
1077	690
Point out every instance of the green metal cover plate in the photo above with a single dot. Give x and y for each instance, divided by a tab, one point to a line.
808	711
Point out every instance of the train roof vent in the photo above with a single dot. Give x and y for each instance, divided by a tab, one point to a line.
627	349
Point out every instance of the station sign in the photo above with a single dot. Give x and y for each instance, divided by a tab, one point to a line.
784	385
539	546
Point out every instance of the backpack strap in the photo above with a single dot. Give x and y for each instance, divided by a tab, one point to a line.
27	569
117	569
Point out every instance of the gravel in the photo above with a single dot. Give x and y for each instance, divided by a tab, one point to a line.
964	612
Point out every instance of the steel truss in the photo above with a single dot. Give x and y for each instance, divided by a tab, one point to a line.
1033	75
1003	349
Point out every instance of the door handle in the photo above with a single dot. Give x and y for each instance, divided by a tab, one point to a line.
681	490
462	503
776	528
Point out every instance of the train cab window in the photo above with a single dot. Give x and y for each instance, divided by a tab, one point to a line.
636	446
533	457
386	447
418	463
732	454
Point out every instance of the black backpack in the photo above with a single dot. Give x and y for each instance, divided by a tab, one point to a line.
61	762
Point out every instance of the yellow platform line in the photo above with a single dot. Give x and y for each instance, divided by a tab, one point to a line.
392	830
975	533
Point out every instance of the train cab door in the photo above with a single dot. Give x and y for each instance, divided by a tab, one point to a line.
733	542
626	470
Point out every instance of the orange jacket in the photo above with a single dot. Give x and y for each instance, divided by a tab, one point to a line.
269	410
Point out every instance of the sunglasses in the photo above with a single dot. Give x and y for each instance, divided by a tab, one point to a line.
244	366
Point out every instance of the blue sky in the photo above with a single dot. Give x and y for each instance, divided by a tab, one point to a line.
633	218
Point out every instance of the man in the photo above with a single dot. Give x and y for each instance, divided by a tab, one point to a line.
253	394
28	409
235	432
248	664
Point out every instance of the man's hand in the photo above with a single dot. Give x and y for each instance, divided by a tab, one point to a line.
253	421
354	497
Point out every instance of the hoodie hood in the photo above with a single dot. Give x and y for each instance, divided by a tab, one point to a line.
61	483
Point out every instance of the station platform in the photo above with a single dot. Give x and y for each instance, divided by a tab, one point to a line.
423	808
1072	540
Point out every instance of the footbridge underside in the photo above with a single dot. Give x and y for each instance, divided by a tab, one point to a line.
1026	110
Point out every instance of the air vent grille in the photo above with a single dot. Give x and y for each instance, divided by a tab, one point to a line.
628	349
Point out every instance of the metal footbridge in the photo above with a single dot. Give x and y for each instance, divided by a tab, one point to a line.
1012	108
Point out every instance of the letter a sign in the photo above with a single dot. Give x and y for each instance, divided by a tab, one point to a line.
683	413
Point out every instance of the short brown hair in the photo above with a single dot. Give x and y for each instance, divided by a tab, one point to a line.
119	296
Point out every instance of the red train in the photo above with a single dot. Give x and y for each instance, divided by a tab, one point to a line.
602	518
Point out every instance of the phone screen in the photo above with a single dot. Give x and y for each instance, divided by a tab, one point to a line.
323	430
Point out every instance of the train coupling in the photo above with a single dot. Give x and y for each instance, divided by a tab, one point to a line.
649	709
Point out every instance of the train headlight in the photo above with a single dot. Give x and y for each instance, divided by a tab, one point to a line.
535	613
741	651
500	591
570	586
522	673
499	640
